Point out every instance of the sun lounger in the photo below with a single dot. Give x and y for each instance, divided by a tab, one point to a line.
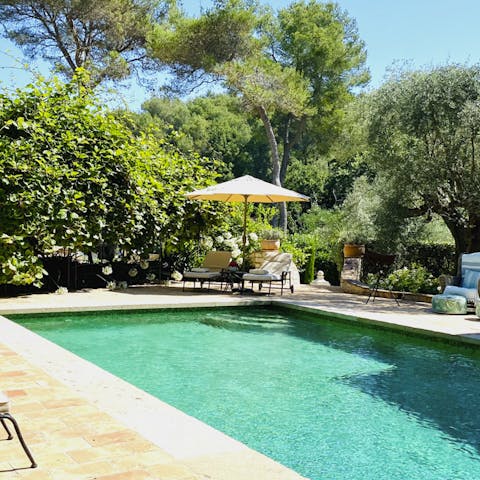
211	269
274	272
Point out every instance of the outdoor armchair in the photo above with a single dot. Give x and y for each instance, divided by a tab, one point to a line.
466	282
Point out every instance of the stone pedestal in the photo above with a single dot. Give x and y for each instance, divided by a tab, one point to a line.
352	269
320	280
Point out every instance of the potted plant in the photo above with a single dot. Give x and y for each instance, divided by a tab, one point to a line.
354	239
353	249
270	239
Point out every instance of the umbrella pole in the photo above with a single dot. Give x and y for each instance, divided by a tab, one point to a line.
244	238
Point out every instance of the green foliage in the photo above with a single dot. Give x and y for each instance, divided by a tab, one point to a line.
193	47
438	259
415	279
294	70
326	255
272	234
291	245
358	211
107	37
326	226
310	268
214	126
424	143
72	178
18	263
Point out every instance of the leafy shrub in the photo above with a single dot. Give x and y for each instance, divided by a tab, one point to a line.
310	268
324	262
436	258
72	178
299	255
415	279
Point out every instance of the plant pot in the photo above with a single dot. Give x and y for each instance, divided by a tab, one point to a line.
353	250
270	244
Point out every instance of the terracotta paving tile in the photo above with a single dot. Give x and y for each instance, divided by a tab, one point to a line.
51	459
5	352
131	475
60	412
86	420
152	457
136	445
13	373
6	471
95	468
16	394
67	402
37	474
119	436
31	407
65	444
172	471
34	437
86	455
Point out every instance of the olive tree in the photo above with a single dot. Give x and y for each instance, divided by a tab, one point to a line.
424	142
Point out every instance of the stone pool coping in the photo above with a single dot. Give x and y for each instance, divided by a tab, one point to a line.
207	452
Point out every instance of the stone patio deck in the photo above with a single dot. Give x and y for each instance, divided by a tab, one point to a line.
83	423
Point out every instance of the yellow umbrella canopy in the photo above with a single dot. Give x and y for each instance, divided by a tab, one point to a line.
247	189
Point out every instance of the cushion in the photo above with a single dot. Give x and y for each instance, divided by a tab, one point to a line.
270	277
200	269
259	271
470	278
4	408
471	294
451	304
202	275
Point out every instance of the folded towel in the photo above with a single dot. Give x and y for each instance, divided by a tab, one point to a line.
259	271
200	269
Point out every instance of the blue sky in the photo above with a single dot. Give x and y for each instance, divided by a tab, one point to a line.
420	32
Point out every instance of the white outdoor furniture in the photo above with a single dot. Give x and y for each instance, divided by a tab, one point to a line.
274	272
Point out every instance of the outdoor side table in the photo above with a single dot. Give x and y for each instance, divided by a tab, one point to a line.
232	277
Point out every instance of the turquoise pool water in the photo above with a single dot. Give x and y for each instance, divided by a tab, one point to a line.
330	400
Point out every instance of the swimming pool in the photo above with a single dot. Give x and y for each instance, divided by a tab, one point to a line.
330	400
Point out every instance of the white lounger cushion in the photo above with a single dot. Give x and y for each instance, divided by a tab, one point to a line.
259	271
258	278
201	275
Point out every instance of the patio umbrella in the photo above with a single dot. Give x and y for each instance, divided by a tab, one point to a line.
247	189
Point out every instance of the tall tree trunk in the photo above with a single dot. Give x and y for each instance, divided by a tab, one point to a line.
459	234
275	157
474	234
289	142
287	148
